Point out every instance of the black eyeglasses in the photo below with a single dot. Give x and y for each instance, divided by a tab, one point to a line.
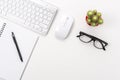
98	43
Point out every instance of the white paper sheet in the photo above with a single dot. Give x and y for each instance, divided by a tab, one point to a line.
11	68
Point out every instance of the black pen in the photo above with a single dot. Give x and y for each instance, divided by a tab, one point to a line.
15	41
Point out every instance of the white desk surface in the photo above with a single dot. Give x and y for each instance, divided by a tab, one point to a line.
71	59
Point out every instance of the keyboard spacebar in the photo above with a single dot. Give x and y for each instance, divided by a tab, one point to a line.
15	19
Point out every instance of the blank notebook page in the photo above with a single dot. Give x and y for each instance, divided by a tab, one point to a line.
11	67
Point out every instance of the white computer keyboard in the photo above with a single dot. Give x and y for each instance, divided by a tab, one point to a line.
37	17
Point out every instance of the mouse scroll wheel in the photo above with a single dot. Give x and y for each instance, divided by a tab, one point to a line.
67	18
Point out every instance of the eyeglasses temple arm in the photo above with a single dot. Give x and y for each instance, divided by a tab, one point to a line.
103	46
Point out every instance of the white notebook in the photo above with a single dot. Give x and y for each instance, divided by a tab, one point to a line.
11	67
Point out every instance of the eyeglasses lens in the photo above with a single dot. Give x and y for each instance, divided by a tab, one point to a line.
85	39
98	44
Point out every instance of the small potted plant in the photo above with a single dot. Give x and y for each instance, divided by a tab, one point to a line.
94	18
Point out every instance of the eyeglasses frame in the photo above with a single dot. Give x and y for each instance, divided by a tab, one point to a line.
93	38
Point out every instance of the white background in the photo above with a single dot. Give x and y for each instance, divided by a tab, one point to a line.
71	59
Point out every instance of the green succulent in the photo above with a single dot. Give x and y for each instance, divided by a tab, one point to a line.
94	18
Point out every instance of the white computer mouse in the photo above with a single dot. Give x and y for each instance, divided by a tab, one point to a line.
63	29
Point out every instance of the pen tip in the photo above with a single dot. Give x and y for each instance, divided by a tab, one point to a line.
21	60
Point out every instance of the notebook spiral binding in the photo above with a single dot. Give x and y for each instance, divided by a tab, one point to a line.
2	29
